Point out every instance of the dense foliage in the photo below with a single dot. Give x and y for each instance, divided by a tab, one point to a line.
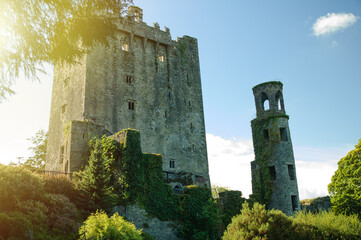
199	215
259	223
100	226
97	181
345	184
35	32
30	211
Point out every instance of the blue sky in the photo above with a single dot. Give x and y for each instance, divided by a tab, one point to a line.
241	44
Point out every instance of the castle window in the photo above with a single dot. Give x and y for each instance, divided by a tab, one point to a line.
189	103
63	109
191	126
279	100
161	58
66	82
131	105
128	79
125	47
294	202
169	95
192	147
165	113
266	135
171	164
62	154
265	102
272	172
283	133
291	172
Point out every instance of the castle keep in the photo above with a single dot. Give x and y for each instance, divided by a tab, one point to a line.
143	80
274	181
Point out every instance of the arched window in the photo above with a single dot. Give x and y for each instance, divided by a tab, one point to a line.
265	102
279	100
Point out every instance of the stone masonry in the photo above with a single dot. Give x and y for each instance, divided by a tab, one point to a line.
144	80
275	136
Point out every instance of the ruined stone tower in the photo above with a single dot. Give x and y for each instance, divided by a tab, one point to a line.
274	181
143	80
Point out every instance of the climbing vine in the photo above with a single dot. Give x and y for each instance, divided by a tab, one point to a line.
264	148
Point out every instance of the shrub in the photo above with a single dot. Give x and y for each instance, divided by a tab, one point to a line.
260	224
14	225
100	226
18	184
328	225
62	215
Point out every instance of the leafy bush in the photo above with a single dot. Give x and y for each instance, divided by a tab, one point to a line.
60	184
259	223
62	215
100	226
328	225
18	184
230	204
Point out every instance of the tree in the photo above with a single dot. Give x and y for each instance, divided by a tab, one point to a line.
100	226
36	162
35	32
345	186
96	180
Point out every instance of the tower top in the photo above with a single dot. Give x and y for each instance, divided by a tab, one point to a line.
136	13
269	99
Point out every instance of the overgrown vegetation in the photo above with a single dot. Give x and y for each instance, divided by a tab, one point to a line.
100	226
264	146
34	206
259	223
345	184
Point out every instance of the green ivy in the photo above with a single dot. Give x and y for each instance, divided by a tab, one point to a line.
262	186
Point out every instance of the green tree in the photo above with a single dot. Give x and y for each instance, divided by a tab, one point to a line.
36	162
35	32
345	186
96	181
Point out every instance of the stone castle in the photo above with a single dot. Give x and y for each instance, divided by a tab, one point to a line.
145	81
274	179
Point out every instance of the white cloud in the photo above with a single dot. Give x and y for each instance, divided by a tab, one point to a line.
333	22
229	166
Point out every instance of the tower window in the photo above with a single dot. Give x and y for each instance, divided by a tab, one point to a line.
66	82
189	103
291	172
131	105
272	172
265	102
266	135
171	164
128	79
283	133
169	95
62	154
294	202
191	126
161	58
63	109
165	113
125	47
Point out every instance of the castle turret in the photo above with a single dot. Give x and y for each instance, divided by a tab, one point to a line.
274	181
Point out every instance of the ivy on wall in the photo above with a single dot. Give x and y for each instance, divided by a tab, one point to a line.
264	148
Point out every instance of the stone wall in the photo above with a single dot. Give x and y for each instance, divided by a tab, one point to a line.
143	80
